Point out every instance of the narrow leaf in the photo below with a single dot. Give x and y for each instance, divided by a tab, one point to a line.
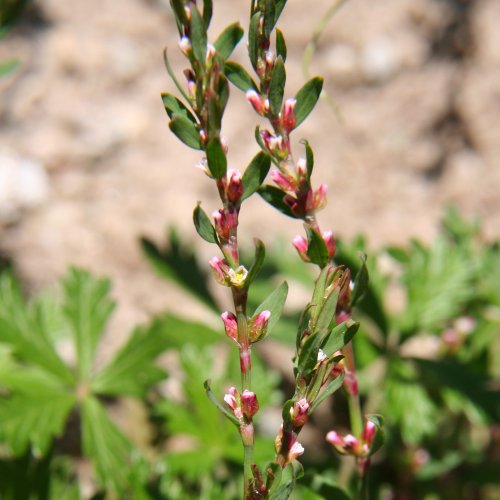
277	86
308	355
309	157
274	304
260	253
318	296
238	76
203	225
217	162
207	12
340	336
360	283
332	386
228	39
253	38
171	73
185	131
327	312
316	249
274	196
306	98
220	407
174	106
198	36
280	45
279	6
255	174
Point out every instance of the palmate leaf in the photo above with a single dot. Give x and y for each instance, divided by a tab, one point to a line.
87	307
132	371
24	328
109	449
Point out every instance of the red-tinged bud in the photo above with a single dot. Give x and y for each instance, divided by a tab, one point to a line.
233	399
369	433
351	383
270	59
258	326
185	45
256	101
301	245
330	243
289	120
302	170
298	412
230	325
274	144
334	439
295	451
316	200
203	136
234	189
210	53
284	181
223	143
249	403
295	206
225	221
221	270
347	445
278	441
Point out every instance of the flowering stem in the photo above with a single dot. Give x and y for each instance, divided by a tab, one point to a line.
355	415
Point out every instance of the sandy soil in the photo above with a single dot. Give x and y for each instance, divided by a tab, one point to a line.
417	85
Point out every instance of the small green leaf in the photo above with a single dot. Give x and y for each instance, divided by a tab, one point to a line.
178	8
260	253
332	386
274	304
255	174
217	161
228	39
280	45
306	98
308	355
360	283
198	36
171	73
207	12
309	157
185	131
221	408
340	336
253	38
316	249
327	313
238	76
273	477
274	196
277	86
203	225
285	411
174	106
278	8
318	296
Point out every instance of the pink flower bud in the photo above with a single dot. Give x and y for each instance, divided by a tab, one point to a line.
232	399
225	221
301	245
295	451
289	120
270	58
316	200
285	182
256	101
298	412
330	243
333	438
369	433
302	169
210	52
230	325
221	270
234	189
249	403
185	45
258	326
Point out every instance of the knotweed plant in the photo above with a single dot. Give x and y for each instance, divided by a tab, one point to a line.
324	359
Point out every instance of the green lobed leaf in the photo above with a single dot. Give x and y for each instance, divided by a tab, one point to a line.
274	303
280	45
174	106
277	86
228	39
253	38
307	97
238	76
309	157
255	173
198	36
260	253
204	226
274	196
316	250
186	131
132	371
340	336
108	449
87	308
360	283
332	386
217	161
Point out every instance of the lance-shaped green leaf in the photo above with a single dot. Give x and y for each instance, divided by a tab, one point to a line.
216	158
360	283
260	253
280	45
308	355
316	247
340	336
255	173
221	408
332	386
207	12
277	86
253	38
180	13
186	131
238	76
132	371
309	157
327	312
198	36
318	296
274	304
171	73
279	5
306	98
268	17
174	106
274	196
107	447
87	308
228	39
204	226
379	438
273	477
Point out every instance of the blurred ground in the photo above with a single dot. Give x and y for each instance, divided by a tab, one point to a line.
87	163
